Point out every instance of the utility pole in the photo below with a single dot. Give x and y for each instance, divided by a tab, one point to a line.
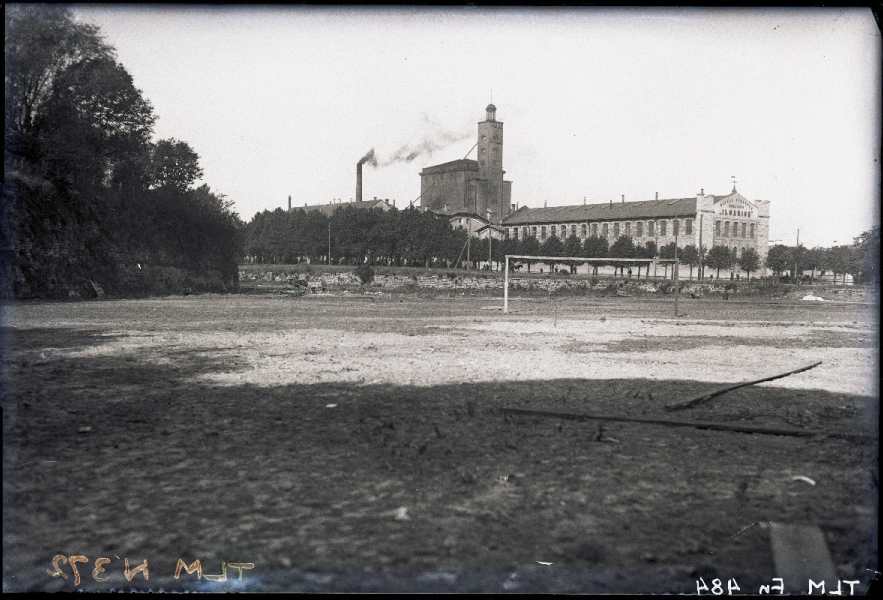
701	258
490	245
329	242
675	266
796	252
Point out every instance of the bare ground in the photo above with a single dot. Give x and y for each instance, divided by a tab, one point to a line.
357	443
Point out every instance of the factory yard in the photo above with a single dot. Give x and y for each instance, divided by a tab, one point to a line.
357	443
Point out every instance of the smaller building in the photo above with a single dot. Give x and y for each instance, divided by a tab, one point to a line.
471	223
328	209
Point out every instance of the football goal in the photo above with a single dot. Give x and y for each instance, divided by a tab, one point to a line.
581	259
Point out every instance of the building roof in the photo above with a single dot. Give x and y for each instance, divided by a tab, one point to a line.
328	209
677	207
457	212
464	164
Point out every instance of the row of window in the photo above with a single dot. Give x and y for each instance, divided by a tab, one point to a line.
747	230
584	230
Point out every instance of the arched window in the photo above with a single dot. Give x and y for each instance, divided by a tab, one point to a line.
726	229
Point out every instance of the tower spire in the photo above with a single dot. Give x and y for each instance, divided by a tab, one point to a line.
733	177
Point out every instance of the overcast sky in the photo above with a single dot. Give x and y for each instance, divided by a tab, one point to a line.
281	101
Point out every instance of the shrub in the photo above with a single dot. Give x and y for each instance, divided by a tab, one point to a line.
365	273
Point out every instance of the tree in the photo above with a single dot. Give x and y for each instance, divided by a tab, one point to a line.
174	163
553	246
749	261
41	43
623	247
690	255
719	257
868	247
779	259
668	252
530	246
595	247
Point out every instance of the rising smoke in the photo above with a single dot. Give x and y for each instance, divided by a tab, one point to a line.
369	158
433	142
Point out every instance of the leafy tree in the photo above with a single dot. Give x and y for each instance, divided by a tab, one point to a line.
623	247
174	163
553	246
719	257
667	252
595	247
749	261
690	255
779	259
868	249
530	246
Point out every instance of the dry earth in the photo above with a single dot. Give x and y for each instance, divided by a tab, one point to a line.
357	443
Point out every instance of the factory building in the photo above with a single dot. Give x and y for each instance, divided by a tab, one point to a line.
474	186
328	209
704	220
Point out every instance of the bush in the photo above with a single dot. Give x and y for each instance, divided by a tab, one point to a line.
365	273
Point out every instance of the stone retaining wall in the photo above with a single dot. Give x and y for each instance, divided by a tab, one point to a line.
621	286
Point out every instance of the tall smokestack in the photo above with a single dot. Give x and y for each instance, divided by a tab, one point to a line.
623	198
359	182
289	204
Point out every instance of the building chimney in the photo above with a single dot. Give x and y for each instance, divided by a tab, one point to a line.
657	195
289	203
623	198
584	200
359	182
702	191
611	203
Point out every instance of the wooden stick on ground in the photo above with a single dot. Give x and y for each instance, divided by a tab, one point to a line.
705	398
698	425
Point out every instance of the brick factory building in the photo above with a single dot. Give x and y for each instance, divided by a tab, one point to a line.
704	220
474	186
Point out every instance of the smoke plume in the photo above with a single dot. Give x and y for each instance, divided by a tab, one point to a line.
437	139
369	158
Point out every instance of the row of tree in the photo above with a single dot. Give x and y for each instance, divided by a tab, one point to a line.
412	237
861	259
87	195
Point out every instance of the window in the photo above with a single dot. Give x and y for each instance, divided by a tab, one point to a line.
553	231
595	229
533	231
604	230
628	229
650	228
515	233
639	229
751	231
726	229
662	227
582	230
744	229
573	230
616	230
542	232
676	226
717	228
689	227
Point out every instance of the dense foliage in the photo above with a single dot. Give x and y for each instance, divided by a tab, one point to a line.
87	196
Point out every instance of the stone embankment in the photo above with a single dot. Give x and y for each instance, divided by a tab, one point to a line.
466	282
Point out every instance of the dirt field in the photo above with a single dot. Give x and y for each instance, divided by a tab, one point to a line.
357	443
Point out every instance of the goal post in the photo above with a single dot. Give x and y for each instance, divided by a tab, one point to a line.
563	259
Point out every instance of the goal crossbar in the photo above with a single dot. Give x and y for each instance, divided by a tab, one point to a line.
562	259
